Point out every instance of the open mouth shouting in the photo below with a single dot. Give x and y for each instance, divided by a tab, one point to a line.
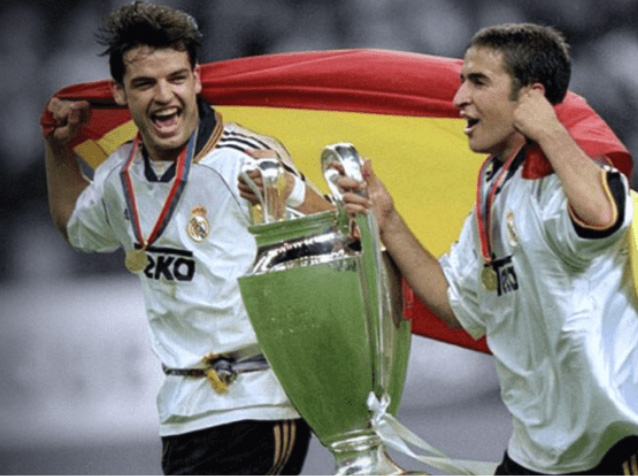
471	124
166	121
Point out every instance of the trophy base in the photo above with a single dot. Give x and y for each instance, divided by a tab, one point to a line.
364	455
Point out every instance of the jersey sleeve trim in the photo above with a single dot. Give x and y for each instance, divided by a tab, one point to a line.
615	192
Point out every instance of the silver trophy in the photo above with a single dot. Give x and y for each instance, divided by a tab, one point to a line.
272	204
326	309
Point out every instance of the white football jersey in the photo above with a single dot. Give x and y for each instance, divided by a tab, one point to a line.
562	323
192	297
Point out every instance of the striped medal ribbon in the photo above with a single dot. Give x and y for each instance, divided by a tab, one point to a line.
484	203
135	259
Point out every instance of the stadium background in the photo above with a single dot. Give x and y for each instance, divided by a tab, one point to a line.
77	377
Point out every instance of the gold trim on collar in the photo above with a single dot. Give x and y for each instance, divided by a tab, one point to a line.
213	139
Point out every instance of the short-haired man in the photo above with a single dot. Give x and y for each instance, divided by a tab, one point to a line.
170	199
541	266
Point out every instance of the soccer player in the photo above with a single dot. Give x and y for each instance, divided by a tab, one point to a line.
170	199
541	266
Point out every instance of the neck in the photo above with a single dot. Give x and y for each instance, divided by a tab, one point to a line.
512	148
170	155
165	155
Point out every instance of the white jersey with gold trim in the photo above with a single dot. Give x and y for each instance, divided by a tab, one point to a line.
192	297
562	323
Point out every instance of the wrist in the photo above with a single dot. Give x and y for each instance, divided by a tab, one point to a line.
551	134
59	149
390	223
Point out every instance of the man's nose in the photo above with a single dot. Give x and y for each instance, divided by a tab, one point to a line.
163	92
461	97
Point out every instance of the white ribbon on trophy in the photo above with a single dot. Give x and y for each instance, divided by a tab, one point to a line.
396	436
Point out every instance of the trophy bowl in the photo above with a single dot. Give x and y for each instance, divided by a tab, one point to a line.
308	308
327	312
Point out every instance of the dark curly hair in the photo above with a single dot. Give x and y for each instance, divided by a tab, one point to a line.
531	53
147	24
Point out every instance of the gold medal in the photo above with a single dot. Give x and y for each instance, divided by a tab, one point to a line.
135	260
489	278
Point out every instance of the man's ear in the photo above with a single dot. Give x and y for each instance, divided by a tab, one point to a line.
117	89
198	80
530	87
538	87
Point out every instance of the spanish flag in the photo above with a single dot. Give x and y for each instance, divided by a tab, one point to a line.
395	107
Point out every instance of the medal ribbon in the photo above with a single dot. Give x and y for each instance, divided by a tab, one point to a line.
181	178
484	208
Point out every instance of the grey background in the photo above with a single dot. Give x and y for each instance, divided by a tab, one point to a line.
77	377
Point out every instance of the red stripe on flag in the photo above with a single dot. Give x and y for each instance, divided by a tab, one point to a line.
368	81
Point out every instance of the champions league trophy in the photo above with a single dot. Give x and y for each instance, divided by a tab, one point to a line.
326	309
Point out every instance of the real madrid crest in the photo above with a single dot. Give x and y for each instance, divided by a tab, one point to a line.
198	227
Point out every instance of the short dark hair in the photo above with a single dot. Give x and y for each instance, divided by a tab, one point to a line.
531	53
147	24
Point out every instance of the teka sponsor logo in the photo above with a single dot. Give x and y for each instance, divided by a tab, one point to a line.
170	264
507	279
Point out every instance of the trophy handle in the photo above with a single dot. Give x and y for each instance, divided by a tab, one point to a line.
272	199
343	158
346	157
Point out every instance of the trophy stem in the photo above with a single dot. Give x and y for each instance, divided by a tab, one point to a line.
363	455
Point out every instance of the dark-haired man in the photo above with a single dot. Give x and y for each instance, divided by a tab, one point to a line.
541	266
170	199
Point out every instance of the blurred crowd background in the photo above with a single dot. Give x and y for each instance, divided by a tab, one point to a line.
76	364
46	45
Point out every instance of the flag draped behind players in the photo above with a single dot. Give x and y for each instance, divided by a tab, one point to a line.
395	107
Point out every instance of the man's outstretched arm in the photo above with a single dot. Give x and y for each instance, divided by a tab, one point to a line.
65	181
417	265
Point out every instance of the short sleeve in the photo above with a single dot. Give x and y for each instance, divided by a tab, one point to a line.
460	266
575	242
89	228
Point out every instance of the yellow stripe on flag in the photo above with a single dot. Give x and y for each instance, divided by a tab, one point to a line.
91	152
95	152
424	162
